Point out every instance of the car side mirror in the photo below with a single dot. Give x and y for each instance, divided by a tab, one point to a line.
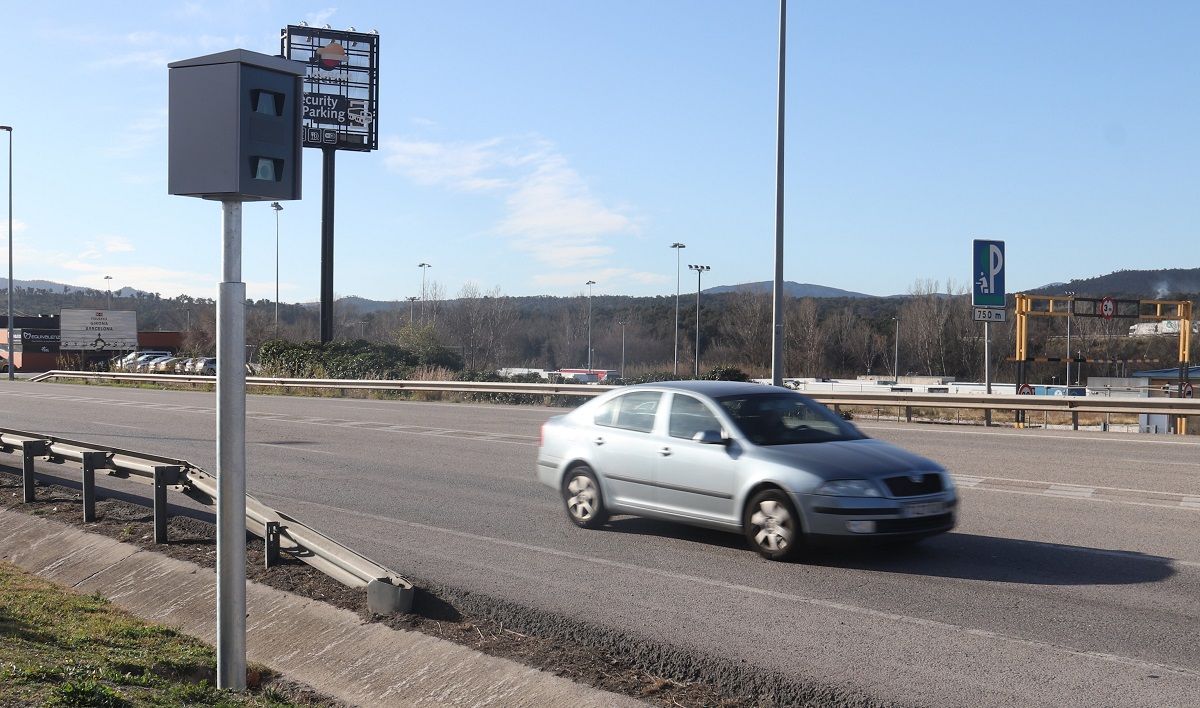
710	437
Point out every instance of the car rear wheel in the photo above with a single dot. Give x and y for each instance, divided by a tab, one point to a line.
772	526
581	495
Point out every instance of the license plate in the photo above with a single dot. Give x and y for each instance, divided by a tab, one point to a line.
924	509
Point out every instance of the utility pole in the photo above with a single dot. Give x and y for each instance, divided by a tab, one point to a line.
677	246
589	283
777	314
699	271
424	267
278	208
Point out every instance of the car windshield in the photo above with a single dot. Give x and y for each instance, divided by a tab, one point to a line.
786	419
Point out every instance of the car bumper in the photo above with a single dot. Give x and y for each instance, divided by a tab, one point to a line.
847	518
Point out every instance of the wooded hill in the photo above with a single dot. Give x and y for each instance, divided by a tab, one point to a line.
835	337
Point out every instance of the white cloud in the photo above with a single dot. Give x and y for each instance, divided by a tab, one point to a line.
547	202
140	135
118	244
320	17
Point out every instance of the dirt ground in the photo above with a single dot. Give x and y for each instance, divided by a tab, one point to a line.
605	659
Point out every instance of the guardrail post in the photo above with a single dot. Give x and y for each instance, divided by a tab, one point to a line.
91	460
29	450
1074	420
271	544
162	477
908	414
987	417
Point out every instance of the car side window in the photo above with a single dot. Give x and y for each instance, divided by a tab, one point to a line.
632	411
689	416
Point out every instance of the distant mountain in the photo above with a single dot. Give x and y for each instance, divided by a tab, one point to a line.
60	288
790	288
1140	284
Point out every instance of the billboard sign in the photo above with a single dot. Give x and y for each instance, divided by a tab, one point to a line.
987	274
44	341
339	108
98	330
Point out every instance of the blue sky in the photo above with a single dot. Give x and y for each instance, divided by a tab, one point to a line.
533	145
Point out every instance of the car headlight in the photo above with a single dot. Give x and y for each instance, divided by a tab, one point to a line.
948	482
849	488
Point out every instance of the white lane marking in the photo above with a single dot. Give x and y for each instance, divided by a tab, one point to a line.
1066	484
1161	462
116	425
963	480
1162	505
1191	502
775	594
1063	490
1078	438
299	449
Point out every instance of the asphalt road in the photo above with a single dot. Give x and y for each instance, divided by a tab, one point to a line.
1072	580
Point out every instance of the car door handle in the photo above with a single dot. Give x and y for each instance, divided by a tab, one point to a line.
599	440
664	451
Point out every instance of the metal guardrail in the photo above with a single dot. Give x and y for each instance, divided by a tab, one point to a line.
549	389
387	591
1002	402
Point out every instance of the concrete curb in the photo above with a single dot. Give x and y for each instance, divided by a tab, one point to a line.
327	648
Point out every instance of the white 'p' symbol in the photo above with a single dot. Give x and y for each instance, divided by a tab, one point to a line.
995	265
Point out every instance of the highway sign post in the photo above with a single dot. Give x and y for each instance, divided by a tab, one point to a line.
987	297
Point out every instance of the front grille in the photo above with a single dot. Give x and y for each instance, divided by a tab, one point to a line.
914	525
902	486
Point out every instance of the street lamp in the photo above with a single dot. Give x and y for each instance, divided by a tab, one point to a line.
424	267
362	329
411	299
622	374
8	129
677	246
896	353
278	208
109	287
1070	306
699	271
589	283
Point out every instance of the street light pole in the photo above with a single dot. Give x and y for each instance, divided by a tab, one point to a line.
411	299
622	348
699	271
589	283
1070	306
11	286
777	315
896	353
424	267
109	287
677	246
278	208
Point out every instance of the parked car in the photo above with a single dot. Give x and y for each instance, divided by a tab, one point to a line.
166	366
767	462
146	366
130	361
207	366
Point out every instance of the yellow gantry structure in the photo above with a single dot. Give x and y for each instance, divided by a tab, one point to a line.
1109	308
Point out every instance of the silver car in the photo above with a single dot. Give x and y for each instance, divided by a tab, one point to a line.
767	462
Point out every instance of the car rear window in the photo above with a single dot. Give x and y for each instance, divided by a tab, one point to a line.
786	419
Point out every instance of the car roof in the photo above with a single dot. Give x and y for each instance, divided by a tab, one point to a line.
713	389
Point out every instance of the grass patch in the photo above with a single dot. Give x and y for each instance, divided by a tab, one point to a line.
59	648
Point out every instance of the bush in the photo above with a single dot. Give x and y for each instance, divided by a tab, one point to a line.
356	359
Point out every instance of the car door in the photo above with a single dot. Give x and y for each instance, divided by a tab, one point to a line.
694	478
623	447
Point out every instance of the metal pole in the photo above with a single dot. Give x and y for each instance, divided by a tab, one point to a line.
11	284
622	349
327	194
1070	307
896	354
777	303
424	267
590	283
696	373
278	208
231	456
677	246
987	357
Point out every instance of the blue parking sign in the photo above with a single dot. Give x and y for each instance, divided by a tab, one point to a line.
987	276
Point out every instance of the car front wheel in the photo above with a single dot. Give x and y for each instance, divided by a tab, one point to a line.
581	495
772	526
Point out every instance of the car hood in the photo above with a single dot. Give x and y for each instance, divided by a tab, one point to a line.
848	459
